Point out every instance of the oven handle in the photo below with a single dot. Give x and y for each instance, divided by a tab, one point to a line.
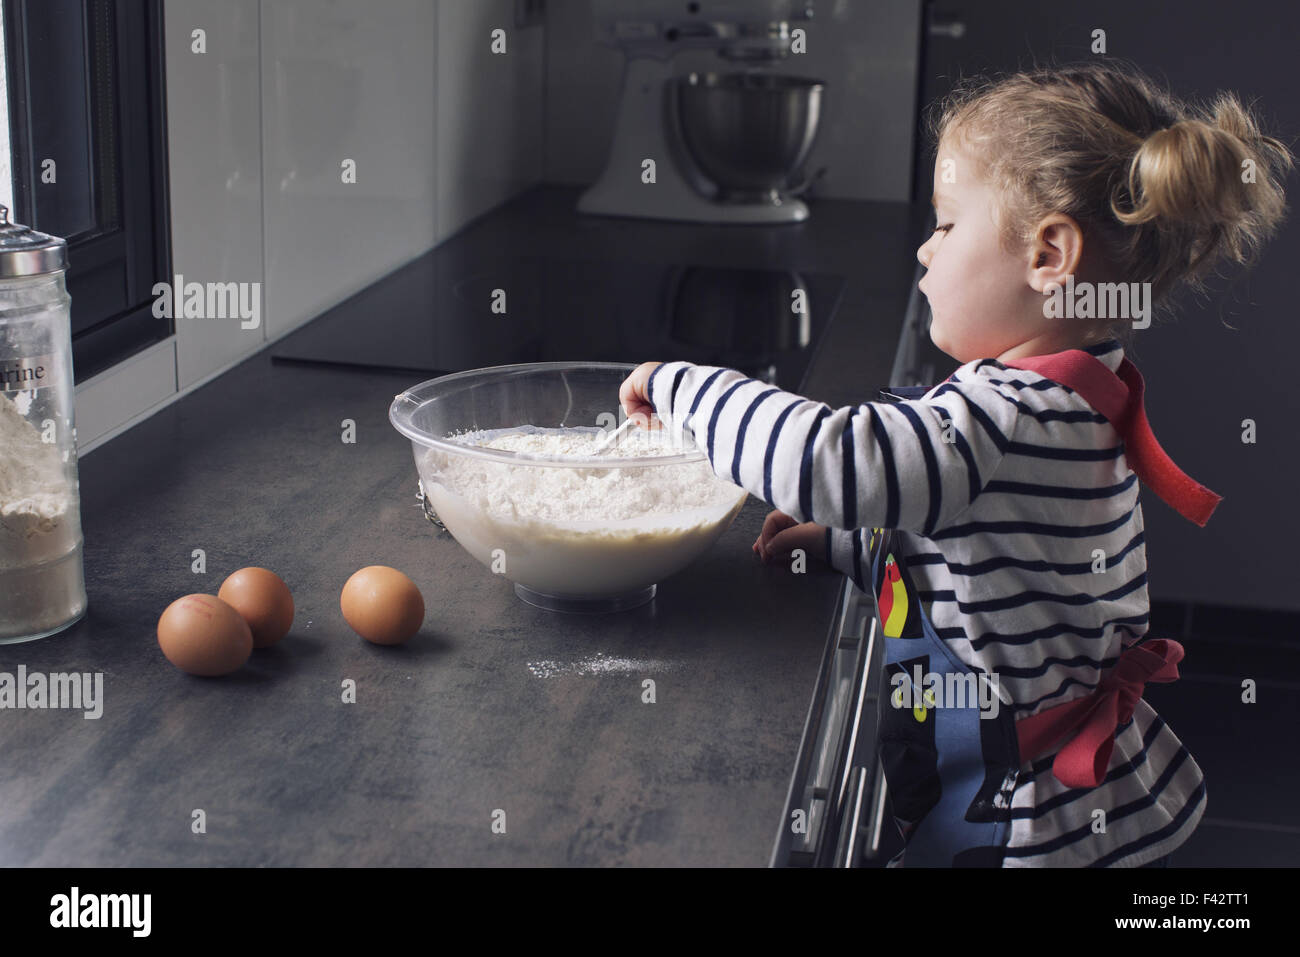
858	773
865	694
855	819
878	817
862	759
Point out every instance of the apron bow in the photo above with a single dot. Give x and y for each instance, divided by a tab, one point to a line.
1082	763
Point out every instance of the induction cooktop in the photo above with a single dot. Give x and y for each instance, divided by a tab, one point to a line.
429	318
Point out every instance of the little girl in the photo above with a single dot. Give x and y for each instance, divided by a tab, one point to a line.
996	517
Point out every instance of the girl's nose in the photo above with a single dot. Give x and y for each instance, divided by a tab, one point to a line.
924	253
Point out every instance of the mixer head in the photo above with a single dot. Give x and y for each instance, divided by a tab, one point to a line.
739	30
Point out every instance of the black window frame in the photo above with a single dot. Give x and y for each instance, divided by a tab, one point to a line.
111	272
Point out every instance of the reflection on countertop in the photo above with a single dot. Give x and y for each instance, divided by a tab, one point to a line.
765	322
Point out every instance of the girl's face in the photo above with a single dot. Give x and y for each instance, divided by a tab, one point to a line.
980	296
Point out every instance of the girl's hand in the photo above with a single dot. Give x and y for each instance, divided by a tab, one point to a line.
782	534
634	393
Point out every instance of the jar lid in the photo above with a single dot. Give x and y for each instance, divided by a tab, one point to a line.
26	252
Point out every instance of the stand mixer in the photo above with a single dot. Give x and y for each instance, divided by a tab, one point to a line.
724	145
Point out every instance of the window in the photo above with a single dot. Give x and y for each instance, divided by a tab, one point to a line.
87	160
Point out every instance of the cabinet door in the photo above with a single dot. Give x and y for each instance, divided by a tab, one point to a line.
89	164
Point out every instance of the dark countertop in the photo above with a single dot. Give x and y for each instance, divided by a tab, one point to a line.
455	725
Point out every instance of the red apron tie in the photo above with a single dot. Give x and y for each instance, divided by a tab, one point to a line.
1119	399
1082	763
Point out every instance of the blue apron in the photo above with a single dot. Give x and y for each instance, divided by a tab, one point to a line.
949	771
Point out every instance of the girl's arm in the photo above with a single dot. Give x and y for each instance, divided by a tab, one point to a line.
847	553
915	465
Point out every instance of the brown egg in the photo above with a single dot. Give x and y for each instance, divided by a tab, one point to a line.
263	598
203	635
382	605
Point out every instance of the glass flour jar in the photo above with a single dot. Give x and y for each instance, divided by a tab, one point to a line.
42	586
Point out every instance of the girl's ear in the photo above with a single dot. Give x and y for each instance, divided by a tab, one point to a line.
1055	251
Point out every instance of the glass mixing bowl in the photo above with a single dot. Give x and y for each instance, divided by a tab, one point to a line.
574	531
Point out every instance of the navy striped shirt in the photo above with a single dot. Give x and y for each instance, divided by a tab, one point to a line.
1019	521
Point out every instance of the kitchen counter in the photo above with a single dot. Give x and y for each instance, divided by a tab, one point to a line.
496	706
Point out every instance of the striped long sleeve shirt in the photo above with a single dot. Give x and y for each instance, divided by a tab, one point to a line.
1001	484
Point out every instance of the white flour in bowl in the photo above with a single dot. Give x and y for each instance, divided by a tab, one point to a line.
578	531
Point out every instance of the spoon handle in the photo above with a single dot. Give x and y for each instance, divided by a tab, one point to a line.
613	437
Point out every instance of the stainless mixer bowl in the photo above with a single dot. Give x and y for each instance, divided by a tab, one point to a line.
748	131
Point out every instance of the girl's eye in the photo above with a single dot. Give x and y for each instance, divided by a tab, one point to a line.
944	228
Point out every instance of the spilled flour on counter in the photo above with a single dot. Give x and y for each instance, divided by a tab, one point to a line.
601	664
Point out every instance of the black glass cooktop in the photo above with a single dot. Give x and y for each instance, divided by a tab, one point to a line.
429	319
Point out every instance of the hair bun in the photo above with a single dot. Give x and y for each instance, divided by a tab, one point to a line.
1189	174
1212	176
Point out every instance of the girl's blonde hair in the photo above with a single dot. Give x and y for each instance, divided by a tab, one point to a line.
1165	188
